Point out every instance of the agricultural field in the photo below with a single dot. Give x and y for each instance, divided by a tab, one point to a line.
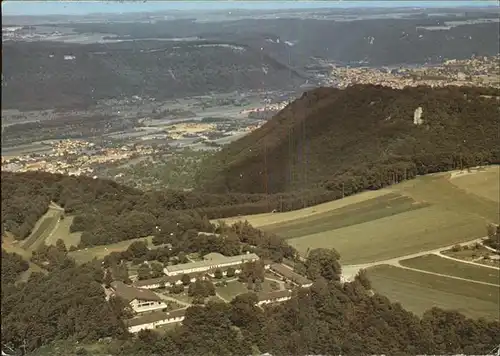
42	229
478	254
436	264
62	232
419	292
99	252
482	183
410	217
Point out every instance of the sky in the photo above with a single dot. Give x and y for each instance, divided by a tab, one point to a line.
22	7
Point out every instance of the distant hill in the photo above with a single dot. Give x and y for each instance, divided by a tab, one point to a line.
363	137
45	75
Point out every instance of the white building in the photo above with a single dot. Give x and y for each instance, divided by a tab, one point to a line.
274	297
140	300
154	319
211	261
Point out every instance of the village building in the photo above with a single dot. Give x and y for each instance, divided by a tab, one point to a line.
210	261
154	319
167	281
140	300
290	275
274	297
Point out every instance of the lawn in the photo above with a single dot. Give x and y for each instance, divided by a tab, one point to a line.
419	292
436	264
62	232
99	252
42	229
231	290
483	183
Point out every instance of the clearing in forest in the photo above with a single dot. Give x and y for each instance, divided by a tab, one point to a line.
62	231
43	228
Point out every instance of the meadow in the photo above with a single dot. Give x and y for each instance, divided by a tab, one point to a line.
99	252
62	232
484	183
419	292
42	230
413	216
436	264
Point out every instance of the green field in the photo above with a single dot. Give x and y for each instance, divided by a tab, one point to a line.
99	252
484	183
62	232
419	292
414	216
436	264
42	230
369	210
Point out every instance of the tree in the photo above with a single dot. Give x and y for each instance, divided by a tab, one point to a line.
61	246
144	272
177	289
322	262
185	279
218	273
362	278
230	272
138	249
201	288
156	270
108	278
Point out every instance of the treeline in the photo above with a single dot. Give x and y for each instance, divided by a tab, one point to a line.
107	212
363	137
328	319
69	302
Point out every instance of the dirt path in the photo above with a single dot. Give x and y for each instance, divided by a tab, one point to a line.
171	299
463	261
350	271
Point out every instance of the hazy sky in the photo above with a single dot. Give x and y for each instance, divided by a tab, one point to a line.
22	7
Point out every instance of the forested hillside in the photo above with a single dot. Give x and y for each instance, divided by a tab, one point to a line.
363	137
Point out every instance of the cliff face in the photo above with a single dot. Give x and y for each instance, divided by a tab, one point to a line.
330	132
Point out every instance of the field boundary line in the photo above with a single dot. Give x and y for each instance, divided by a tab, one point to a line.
464	261
445	275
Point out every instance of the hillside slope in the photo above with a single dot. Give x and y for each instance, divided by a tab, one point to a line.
363	137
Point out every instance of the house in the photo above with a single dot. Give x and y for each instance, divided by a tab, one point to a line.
166	281
274	297
290	275
211	261
140	300
154	319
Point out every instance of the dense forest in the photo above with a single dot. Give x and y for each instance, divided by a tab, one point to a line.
363	137
328	318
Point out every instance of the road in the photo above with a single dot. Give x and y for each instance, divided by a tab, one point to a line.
350	271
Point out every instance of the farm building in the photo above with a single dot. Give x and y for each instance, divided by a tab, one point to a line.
154	319
290	275
274	297
211	261
140	300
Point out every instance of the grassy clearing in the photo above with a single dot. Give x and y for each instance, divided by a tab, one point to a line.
369	210
419	292
436	264
391	237
62	232
42	230
260	220
413	216
88	254
231	290
483	183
